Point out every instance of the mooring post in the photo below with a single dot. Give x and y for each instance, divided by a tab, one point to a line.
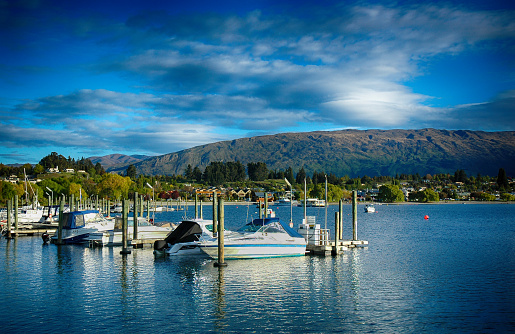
9	219
200	209
354	215
16	212
215	215
266	206
148	209
72	202
135	216
61	223
221	256
341	218
125	218
336	233
141	211
196	205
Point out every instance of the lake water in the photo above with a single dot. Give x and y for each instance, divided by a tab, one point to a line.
452	273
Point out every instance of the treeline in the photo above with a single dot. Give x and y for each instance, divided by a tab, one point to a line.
220	173
52	160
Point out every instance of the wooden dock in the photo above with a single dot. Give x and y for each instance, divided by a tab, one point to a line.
31	232
329	249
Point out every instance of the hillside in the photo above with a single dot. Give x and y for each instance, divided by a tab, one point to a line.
118	160
355	152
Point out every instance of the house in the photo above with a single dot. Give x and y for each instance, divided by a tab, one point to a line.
69	170
53	170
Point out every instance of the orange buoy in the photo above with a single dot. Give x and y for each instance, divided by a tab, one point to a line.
426	217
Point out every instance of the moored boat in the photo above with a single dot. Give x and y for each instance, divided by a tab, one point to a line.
261	238
113	237
185	239
78	225
370	208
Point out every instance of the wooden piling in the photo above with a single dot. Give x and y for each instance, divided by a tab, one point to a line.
16	212
336	251
354	215
125	217
340	210
9	219
196	205
135	216
266	205
215	215
60	224
141	211
221	256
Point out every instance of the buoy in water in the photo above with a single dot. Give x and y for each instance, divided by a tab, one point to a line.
426	217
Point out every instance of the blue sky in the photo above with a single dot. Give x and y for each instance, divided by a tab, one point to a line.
90	78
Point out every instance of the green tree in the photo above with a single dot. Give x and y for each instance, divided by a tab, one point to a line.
38	169
502	179
76	190
132	172
114	186
390	193
7	191
301	175
257	171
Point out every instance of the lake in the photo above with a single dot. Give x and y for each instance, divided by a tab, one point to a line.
454	272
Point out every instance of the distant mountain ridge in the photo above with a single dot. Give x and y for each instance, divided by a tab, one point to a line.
118	160
352	152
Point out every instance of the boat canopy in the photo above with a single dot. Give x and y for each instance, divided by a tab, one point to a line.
187	231
76	219
269	225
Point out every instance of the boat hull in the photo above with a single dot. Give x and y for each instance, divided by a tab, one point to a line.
255	251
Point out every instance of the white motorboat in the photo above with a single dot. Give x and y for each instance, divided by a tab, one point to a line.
315	202
370	208
185	239
261	238
114	237
78	225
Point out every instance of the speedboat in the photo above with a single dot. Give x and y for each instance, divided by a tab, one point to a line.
78	225
185	239
261	238
370	208
114	237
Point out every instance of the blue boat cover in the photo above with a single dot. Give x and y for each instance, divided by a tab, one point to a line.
72	220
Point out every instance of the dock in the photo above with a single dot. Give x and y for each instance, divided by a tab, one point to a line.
329	248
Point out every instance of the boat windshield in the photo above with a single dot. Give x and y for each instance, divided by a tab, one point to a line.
258	226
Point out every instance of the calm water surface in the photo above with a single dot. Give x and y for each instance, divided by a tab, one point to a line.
452	273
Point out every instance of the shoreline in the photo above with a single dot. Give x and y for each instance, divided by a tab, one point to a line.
367	202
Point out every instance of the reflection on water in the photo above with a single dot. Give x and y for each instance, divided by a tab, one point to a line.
414	277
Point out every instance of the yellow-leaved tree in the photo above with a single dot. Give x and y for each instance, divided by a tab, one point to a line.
114	186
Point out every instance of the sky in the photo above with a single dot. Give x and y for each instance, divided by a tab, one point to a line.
92	78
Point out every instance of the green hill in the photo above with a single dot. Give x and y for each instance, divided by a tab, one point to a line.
354	152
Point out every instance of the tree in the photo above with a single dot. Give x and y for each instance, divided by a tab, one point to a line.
132	172
38	169
301	175
390	193
257	171
502	180
427	195
288	174
114	186
188	173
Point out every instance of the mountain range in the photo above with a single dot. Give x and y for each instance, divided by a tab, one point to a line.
345	152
